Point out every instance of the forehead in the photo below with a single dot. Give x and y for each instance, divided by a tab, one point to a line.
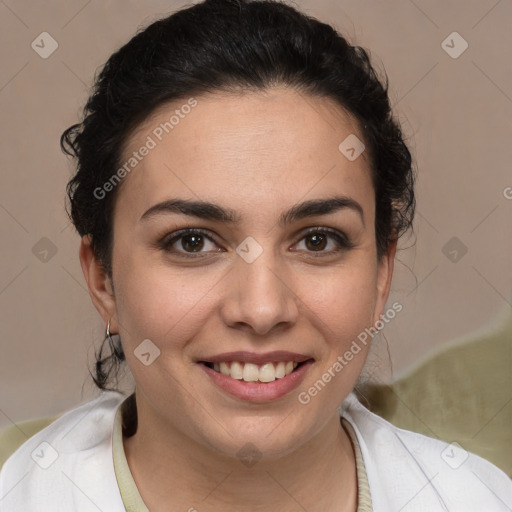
259	148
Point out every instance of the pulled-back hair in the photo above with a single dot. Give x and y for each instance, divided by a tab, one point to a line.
229	45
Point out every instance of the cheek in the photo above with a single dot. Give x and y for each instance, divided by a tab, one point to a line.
342	300
159	302
342	310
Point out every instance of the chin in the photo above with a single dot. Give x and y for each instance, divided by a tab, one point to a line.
253	441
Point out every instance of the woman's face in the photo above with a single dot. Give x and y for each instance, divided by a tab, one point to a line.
290	274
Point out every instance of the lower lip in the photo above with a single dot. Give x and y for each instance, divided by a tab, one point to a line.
258	391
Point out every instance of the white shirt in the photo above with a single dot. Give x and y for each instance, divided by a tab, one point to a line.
68	467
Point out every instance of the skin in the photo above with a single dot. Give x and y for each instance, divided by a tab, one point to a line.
258	153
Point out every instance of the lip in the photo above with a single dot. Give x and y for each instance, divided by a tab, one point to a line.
257	391
252	357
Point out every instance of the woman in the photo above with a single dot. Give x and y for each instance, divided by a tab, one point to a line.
240	189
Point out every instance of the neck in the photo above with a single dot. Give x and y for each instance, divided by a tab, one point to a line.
173	472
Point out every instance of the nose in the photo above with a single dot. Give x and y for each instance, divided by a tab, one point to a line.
260	296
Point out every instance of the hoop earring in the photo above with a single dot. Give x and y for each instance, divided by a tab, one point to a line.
108	331
116	348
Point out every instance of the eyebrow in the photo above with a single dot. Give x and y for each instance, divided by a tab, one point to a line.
210	211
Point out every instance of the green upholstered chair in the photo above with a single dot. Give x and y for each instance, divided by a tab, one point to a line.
462	393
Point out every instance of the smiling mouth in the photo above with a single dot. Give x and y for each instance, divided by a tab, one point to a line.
250	372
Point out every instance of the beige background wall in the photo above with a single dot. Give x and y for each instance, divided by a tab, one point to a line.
455	111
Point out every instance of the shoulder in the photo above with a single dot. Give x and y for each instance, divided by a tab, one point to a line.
71	459
411	471
12	437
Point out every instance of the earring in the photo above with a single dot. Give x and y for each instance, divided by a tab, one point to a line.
108	330
117	349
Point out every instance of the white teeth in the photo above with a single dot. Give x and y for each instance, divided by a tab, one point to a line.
224	368
236	371
280	370
250	372
267	373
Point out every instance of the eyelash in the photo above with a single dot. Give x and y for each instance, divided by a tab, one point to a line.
167	241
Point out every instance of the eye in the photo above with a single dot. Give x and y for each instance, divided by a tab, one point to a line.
188	241
318	239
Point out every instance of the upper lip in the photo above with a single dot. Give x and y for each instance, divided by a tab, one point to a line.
255	358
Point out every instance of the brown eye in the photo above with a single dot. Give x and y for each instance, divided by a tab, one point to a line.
317	241
325	241
192	243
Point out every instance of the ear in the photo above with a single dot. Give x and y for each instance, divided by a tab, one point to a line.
384	275
99	284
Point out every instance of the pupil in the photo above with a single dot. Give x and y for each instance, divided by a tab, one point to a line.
192	241
318	241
